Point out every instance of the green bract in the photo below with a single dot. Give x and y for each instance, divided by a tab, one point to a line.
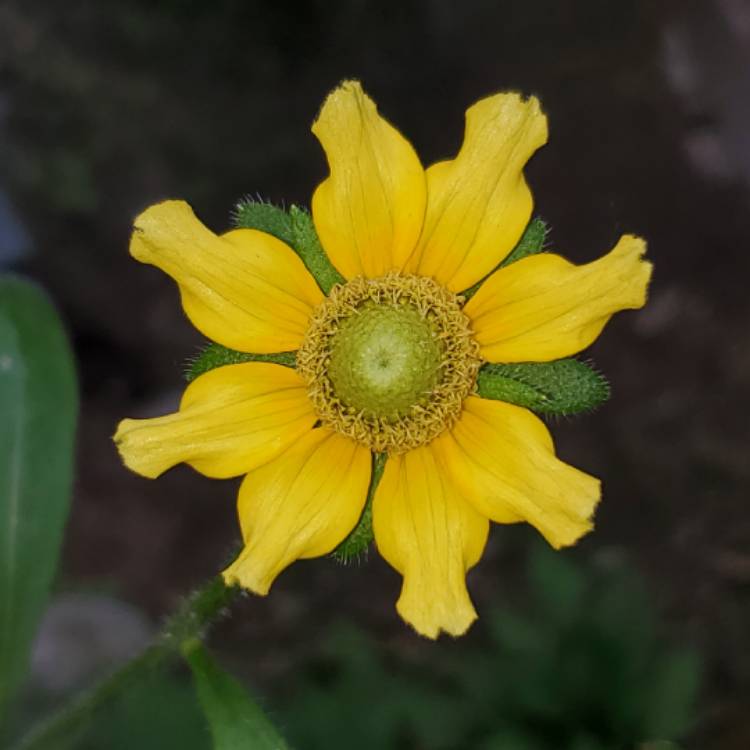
216	355
562	387
296	228
356	544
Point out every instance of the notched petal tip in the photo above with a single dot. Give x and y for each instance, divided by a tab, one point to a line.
585	494
348	90
241	573
137	452
160	222
430	622
159	211
344	109
636	271
511	110
568	536
558	542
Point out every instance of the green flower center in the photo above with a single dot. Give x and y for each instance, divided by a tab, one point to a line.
385	359
389	361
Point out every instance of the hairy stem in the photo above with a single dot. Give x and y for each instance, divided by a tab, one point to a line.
190	621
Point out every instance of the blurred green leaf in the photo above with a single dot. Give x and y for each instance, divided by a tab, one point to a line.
575	663
557	584
585	742
157	711
669	696
514	632
352	700
510	739
38	404
236	722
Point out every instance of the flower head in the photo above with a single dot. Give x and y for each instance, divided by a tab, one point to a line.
388	361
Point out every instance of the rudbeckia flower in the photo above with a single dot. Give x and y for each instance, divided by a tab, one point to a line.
386	363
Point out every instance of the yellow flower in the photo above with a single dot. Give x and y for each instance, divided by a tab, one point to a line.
388	361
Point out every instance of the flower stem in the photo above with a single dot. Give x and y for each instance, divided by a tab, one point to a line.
190	621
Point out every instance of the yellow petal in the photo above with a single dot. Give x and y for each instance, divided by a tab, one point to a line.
231	420
479	204
502	460
300	505
543	307
369	212
432	536
245	289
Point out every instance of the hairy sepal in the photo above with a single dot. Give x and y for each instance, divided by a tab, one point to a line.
562	387
216	355
355	546
294	227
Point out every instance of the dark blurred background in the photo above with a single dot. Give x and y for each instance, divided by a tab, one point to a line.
107	107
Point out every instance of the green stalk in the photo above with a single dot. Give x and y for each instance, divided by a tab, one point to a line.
191	621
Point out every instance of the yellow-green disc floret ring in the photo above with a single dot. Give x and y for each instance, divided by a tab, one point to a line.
388	361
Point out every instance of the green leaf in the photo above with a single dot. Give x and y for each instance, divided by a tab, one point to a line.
308	246
531	242
562	387
671	694
360	538
38	404
236	722
249	214
155	712
216	355
558	584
